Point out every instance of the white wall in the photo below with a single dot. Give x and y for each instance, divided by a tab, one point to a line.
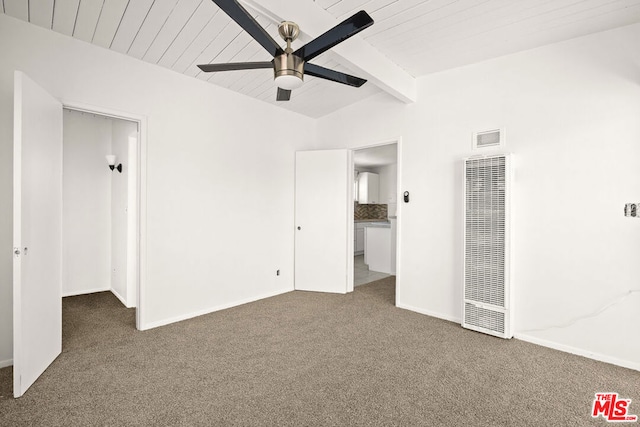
86	218
219	183
571	114
121	131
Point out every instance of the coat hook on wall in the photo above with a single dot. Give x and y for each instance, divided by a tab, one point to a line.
111	161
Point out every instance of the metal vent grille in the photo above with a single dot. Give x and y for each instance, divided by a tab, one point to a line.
491	138
485	230
484	318
485	277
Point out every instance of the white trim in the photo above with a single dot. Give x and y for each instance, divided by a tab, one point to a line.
399	208
101	111
85	291
151	325
578	351
442	316
120	297
133	202
399	202
141	190
350	224
5	363
366	145
142	217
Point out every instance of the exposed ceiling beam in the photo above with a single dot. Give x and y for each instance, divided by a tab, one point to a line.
355	53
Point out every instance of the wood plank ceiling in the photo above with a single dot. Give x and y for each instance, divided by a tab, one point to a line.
421	36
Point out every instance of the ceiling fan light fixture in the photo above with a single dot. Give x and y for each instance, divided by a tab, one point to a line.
289	82
288	70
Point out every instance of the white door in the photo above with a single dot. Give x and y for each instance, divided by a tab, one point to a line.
37	232
321	215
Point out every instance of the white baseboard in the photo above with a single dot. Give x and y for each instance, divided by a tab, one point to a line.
5	363
578	351
84	292
122	300
430	313
545	343
151	325
93	291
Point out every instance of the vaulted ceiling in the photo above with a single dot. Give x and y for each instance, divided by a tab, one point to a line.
409	38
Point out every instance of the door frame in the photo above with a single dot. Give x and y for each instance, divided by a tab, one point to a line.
399	203
141	194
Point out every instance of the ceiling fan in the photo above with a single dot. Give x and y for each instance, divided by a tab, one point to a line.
289	66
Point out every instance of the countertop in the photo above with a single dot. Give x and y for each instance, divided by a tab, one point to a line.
376	223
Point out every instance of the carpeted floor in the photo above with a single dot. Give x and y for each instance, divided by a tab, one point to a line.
305	359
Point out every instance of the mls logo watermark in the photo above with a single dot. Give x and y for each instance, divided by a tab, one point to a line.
612	408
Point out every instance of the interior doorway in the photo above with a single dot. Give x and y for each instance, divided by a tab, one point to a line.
101	222
38	225
375	212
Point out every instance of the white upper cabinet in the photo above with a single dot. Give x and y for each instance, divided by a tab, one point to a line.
368	188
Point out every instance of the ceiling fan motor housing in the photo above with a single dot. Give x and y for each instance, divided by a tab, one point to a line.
288	64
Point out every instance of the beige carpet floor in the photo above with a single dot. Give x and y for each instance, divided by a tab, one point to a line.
305	359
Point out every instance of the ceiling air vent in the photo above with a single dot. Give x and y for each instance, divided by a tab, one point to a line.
487	139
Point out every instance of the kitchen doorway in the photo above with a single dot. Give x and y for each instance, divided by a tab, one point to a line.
375	212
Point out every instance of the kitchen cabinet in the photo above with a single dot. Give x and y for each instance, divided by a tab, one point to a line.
377	249
358	240
368	188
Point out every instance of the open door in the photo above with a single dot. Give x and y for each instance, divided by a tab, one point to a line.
37	232
322	224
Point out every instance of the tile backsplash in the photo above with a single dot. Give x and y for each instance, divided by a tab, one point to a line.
369	211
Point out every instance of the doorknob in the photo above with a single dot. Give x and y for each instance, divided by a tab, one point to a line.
16	251
299	228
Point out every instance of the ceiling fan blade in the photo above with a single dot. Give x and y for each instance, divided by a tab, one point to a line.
283	95
347	28
334	76
208	68
250	25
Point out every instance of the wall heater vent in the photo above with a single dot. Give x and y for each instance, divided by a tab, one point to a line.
488	139
487	297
